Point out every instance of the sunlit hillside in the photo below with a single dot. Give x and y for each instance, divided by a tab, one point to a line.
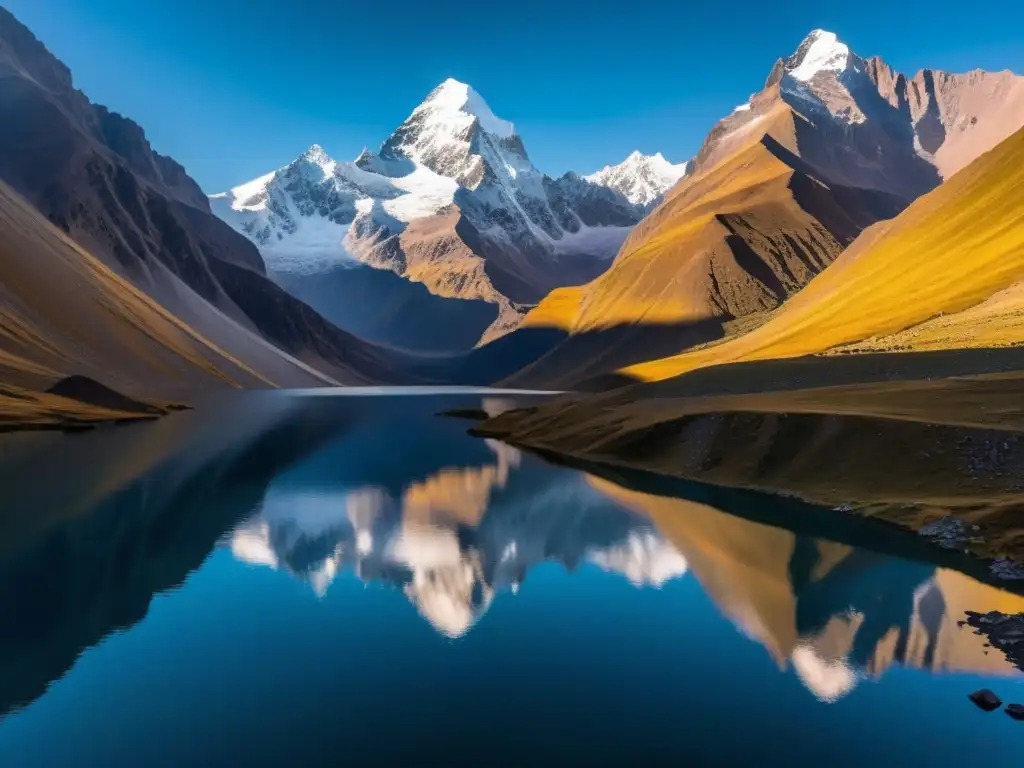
951	252
735	238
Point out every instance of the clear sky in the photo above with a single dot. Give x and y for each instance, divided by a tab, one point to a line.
235	88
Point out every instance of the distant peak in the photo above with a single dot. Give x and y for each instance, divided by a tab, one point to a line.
316	155
820	51
641	178
453	97
451	82
636	157
820	36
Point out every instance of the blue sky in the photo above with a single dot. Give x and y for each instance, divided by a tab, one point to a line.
232	89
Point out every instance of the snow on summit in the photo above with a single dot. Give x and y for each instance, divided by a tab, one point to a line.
641	179
452	102
318	157
820	51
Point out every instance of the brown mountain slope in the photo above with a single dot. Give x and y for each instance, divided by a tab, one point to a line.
93	174
950	251
63	313
442	252
735	239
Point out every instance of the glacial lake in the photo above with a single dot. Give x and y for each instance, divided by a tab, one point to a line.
326	579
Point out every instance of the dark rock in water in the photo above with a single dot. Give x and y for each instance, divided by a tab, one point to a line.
86	390
1016	711
986	700
475	414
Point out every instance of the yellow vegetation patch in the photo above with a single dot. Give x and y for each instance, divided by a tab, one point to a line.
559	309
995	322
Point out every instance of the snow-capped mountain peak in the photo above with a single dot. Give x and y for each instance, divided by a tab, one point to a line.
824	75
248	196
641	179
452	101
820	51
455	134
316	156
315	164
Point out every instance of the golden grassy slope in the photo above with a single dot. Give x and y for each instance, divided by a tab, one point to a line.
735	238
949	251
995	322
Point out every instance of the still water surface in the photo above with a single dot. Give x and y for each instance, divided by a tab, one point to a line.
284	580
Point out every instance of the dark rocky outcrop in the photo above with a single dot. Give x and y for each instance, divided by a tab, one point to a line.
986	700
89	391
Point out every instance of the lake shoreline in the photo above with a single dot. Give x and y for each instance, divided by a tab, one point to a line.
910	451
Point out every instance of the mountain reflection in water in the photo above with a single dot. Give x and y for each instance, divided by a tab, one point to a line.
383	490
453	539
835	612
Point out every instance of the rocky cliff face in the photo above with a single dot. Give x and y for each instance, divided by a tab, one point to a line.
860	123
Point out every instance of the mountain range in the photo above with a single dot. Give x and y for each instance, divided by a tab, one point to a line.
447	256
452	202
